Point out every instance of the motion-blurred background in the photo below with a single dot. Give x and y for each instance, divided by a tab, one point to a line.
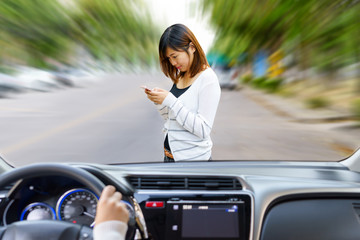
306	51
279	45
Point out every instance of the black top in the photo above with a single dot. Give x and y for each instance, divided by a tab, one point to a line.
177	93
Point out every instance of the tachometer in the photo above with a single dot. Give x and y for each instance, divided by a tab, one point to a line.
38	211
77	206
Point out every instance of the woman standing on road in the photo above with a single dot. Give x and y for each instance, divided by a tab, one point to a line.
189	108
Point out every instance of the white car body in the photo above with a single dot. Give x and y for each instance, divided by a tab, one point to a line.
36	79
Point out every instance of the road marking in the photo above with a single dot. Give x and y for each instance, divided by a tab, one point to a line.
345	150
101	111
19	109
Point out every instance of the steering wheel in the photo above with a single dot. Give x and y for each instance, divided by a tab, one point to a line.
48	229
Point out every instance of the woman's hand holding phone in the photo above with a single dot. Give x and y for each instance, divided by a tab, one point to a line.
157	95
147	90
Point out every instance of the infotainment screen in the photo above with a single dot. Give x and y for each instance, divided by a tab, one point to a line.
215	220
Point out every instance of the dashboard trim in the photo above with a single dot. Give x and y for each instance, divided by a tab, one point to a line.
6	210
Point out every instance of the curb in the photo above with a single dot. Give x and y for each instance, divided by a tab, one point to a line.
271	102
347	141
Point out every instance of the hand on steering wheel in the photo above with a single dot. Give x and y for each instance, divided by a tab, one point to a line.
53	229
112	216
110	207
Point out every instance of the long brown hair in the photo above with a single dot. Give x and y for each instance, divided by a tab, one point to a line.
178	37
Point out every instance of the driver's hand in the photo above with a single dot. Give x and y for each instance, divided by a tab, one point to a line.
110	207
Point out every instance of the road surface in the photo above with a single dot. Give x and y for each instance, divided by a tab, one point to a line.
112	121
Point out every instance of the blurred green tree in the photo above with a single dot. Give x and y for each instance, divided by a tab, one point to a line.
319	33
36	29
115	30
41	32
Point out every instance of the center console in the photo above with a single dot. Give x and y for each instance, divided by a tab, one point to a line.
197	216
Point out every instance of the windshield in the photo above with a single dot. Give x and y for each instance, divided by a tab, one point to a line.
116	81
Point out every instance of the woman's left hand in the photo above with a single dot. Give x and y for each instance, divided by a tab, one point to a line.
157	95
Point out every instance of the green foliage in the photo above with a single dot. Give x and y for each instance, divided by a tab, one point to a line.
355	108
39	27
317	102
258	82
6	69
43	30
268	84
112	29
272	84
321	33
246	78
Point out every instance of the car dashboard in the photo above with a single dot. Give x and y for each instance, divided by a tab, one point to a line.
50	198
208	200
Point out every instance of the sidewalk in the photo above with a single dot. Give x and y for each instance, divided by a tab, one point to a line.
342	124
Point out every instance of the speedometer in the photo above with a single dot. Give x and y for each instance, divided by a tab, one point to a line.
77	206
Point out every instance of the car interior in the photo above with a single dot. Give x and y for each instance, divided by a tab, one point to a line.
133	94
224	200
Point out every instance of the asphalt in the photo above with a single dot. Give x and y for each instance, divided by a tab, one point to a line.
343	126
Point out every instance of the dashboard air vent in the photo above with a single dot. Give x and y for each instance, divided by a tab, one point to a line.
149	182
185	183
214	184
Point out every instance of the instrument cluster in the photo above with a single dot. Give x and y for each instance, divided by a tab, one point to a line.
77	205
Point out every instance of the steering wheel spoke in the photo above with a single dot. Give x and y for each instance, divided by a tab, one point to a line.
44	229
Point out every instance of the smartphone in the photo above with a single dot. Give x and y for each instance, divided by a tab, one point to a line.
146	88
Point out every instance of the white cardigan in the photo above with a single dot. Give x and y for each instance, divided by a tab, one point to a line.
189	118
